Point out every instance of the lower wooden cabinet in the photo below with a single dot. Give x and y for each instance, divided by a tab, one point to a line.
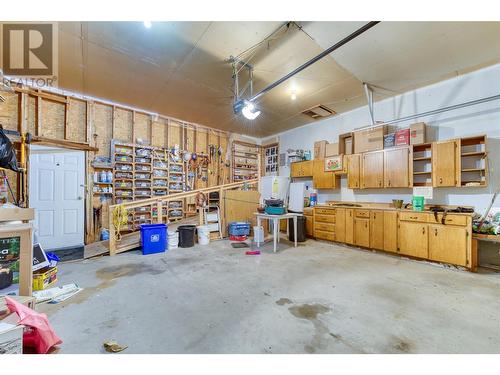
377	229
362	232
391	231
308	214
340	225
448	244
349	226
415	234
413	239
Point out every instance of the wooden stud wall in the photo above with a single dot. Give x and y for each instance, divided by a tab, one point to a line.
80	119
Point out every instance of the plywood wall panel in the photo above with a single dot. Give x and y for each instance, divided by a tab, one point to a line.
143	127
174	134
52	119
77	116
9	111
190	139
103	116
159	136
201	141
123	125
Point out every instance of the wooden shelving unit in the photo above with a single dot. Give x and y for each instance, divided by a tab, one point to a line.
421	163
473	162
245	161
143	172
99	187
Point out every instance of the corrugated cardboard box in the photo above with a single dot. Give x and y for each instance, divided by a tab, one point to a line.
402	137
371	139
331	149
319	149
417	133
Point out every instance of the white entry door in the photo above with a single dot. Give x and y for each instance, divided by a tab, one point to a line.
56	192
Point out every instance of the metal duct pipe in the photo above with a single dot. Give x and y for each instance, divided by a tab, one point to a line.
435	111
326	52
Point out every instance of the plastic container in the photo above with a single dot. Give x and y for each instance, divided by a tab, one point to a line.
418	203
239	228
153	238
173	240
186	235
203	234
301	229
313	200
258	235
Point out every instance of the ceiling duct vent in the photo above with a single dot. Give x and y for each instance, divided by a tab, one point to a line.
318	112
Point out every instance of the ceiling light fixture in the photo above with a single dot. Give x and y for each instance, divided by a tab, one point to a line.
293	96
148	24
249	111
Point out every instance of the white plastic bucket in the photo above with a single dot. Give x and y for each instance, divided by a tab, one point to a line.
203	234
173	240
258	235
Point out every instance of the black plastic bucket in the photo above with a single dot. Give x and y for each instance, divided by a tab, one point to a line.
186	235
301	229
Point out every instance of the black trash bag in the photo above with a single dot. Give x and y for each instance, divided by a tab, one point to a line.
8	158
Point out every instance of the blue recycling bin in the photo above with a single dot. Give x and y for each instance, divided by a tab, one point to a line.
154	238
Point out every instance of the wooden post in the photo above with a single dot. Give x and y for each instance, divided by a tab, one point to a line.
38	125
133	126
159	214
66	113
112	233
222	209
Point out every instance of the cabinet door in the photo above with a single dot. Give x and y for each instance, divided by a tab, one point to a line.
362	232
353	171
322	179
396	168
309	226
448	244
372	175
295	169
307	168
445	163
391	231
413	239
340	224
377	229
349	226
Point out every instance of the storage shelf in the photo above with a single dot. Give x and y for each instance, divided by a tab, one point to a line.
474	170
103	183
422	158
422	173
478	153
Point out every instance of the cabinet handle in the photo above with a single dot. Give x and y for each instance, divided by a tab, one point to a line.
380	183
366	224
435	231
440	180
389	183
413	217
423	230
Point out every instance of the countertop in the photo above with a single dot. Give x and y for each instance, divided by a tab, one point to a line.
383	206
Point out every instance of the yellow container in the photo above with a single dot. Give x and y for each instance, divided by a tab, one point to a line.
44	278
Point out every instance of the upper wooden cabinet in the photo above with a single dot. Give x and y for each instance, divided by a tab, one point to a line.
446	163
372	170
396	168
353	163
322	179
301	169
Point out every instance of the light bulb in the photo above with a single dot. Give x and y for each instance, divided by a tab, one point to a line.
248	111
148	24
293	96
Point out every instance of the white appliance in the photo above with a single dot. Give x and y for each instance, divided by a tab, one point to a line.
275	187
296	197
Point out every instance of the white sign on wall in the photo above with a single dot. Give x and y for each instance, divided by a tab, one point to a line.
423	191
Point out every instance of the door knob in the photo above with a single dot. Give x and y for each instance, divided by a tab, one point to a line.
80	198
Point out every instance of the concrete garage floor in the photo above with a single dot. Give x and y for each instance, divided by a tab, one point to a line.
317	298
